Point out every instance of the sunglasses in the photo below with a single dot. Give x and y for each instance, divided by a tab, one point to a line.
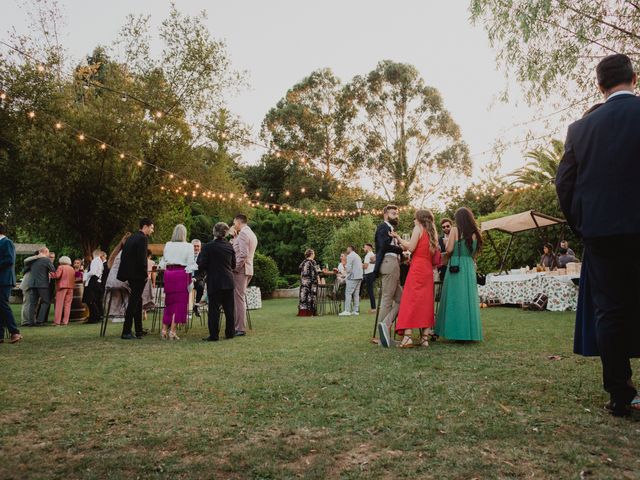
446	226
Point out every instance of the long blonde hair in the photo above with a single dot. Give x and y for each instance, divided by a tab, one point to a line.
425	218
117	249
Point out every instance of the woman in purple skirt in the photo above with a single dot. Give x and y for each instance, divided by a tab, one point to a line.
179	263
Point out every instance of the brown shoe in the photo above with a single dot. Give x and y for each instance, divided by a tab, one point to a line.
16	337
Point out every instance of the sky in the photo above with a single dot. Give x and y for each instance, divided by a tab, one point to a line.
279	42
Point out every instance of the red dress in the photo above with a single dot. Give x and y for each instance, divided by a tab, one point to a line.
417	306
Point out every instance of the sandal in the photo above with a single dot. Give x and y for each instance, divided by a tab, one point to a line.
407	342
424	340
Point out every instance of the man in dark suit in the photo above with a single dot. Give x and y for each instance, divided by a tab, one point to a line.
597	185
38	286
133	269
7	282
388	268
218	259
445	224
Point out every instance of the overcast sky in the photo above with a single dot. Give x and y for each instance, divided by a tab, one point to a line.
281	41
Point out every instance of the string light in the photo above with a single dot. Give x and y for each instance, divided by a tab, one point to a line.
103	146
122	156
139	163
41	68
58	125
81	137
31	114
3	96
158	114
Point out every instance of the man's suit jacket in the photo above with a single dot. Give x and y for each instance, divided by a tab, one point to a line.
597	179
245	245
133	260
218	259
384	245
7	263
354	267
39	271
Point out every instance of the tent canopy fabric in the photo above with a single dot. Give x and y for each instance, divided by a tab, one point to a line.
27	248
521	222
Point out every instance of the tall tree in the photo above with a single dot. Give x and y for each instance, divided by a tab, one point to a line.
553	45
69	185
307	126
403	135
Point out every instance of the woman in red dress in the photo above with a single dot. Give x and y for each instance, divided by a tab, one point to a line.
417	306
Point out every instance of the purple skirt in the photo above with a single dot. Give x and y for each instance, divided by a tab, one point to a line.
176	284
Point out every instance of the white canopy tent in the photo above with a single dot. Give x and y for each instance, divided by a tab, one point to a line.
520	222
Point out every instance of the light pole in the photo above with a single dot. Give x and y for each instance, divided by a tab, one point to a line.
359	205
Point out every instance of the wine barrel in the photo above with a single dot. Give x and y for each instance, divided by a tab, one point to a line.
79	311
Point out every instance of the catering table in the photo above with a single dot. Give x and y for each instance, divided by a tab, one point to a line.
523	288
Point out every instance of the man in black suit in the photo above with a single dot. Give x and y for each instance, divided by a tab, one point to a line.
597	185
388	268
38	285
7	282
133	269
218	259
445	224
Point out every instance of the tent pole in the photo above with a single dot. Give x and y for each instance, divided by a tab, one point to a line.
506	253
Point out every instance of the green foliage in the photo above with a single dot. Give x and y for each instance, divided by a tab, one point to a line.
552	46
354	232
306	125
542	166
73	193
265	274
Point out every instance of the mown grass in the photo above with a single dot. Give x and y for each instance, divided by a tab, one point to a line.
310	398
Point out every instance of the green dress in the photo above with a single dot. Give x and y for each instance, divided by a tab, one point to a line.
459	312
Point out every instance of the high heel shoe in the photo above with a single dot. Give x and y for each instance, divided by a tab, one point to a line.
173	336
163	335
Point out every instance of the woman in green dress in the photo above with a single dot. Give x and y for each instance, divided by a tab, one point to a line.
459	312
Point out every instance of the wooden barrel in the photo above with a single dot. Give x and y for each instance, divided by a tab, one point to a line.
79	311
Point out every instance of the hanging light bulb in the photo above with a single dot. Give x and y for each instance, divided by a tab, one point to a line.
31	114
81	137
158	114
139	163
103	146
122	156
58	125
3	96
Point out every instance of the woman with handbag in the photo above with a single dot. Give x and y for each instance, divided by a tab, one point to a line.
459	313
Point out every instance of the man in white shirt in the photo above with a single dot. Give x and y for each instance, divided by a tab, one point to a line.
92	287
369	266
354	279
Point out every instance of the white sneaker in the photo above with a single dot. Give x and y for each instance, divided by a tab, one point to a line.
355	313
344	314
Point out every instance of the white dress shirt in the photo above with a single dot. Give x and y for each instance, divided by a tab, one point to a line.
179	253
393	242
371	266
95	270
621	92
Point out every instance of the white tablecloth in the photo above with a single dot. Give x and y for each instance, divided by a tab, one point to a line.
523	288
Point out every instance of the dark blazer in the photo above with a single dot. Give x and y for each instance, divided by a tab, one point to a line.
218	259
384	245
39	276
133	261
7	263
597	179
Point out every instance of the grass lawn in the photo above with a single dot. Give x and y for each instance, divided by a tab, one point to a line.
310	398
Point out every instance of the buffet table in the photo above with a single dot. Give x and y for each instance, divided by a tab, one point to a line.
524	287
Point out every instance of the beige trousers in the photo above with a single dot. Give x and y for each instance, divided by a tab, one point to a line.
391	290
240	283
